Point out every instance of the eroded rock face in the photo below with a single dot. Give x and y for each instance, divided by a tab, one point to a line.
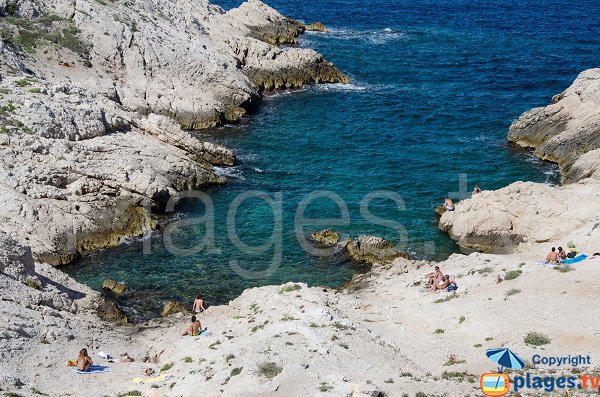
189	60
523	212
33	308
173	307
567	129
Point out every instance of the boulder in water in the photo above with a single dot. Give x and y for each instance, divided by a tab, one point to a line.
325	238
316	27
114	286
373	249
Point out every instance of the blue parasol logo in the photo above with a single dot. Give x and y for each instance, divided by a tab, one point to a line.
505	358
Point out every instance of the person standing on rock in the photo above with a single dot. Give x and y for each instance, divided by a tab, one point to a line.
552	257
476	190
198	306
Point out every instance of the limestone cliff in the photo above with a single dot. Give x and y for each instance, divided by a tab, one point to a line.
568	130
96	97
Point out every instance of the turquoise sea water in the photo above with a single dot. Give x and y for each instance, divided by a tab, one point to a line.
435	85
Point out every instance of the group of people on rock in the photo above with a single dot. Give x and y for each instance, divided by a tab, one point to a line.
437	281
556	256
449	204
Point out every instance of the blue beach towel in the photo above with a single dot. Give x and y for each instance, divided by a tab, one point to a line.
578	258
94	369
204	333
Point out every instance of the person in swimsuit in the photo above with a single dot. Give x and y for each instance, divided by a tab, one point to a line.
198	306
83	362
476	190
442	284
562	255
552	257
434	277
449	204
193	329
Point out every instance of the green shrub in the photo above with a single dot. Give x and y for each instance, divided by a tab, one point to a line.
130	393
11	8
35	91
536	339
236	371
23	83
439	331
32	283
166	367
512	274
513	291
564	268
187	359
446	298
269	370
289	288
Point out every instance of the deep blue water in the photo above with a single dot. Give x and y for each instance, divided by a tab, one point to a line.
435	85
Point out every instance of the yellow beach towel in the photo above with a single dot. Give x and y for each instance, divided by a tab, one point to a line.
158	378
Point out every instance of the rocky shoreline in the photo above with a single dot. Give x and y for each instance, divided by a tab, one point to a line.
95	121
566	132
94	133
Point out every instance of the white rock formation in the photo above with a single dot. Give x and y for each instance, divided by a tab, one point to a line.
567	132
523	212
567	129
93	96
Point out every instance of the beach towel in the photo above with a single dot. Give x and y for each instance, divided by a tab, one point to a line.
105	356
147	381
578	258
94	369
204	333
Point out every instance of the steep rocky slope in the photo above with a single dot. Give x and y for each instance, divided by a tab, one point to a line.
93	99
567	132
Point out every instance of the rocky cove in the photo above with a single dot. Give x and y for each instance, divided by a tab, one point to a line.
97	133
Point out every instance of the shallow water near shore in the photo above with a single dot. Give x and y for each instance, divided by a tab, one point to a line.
435	86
